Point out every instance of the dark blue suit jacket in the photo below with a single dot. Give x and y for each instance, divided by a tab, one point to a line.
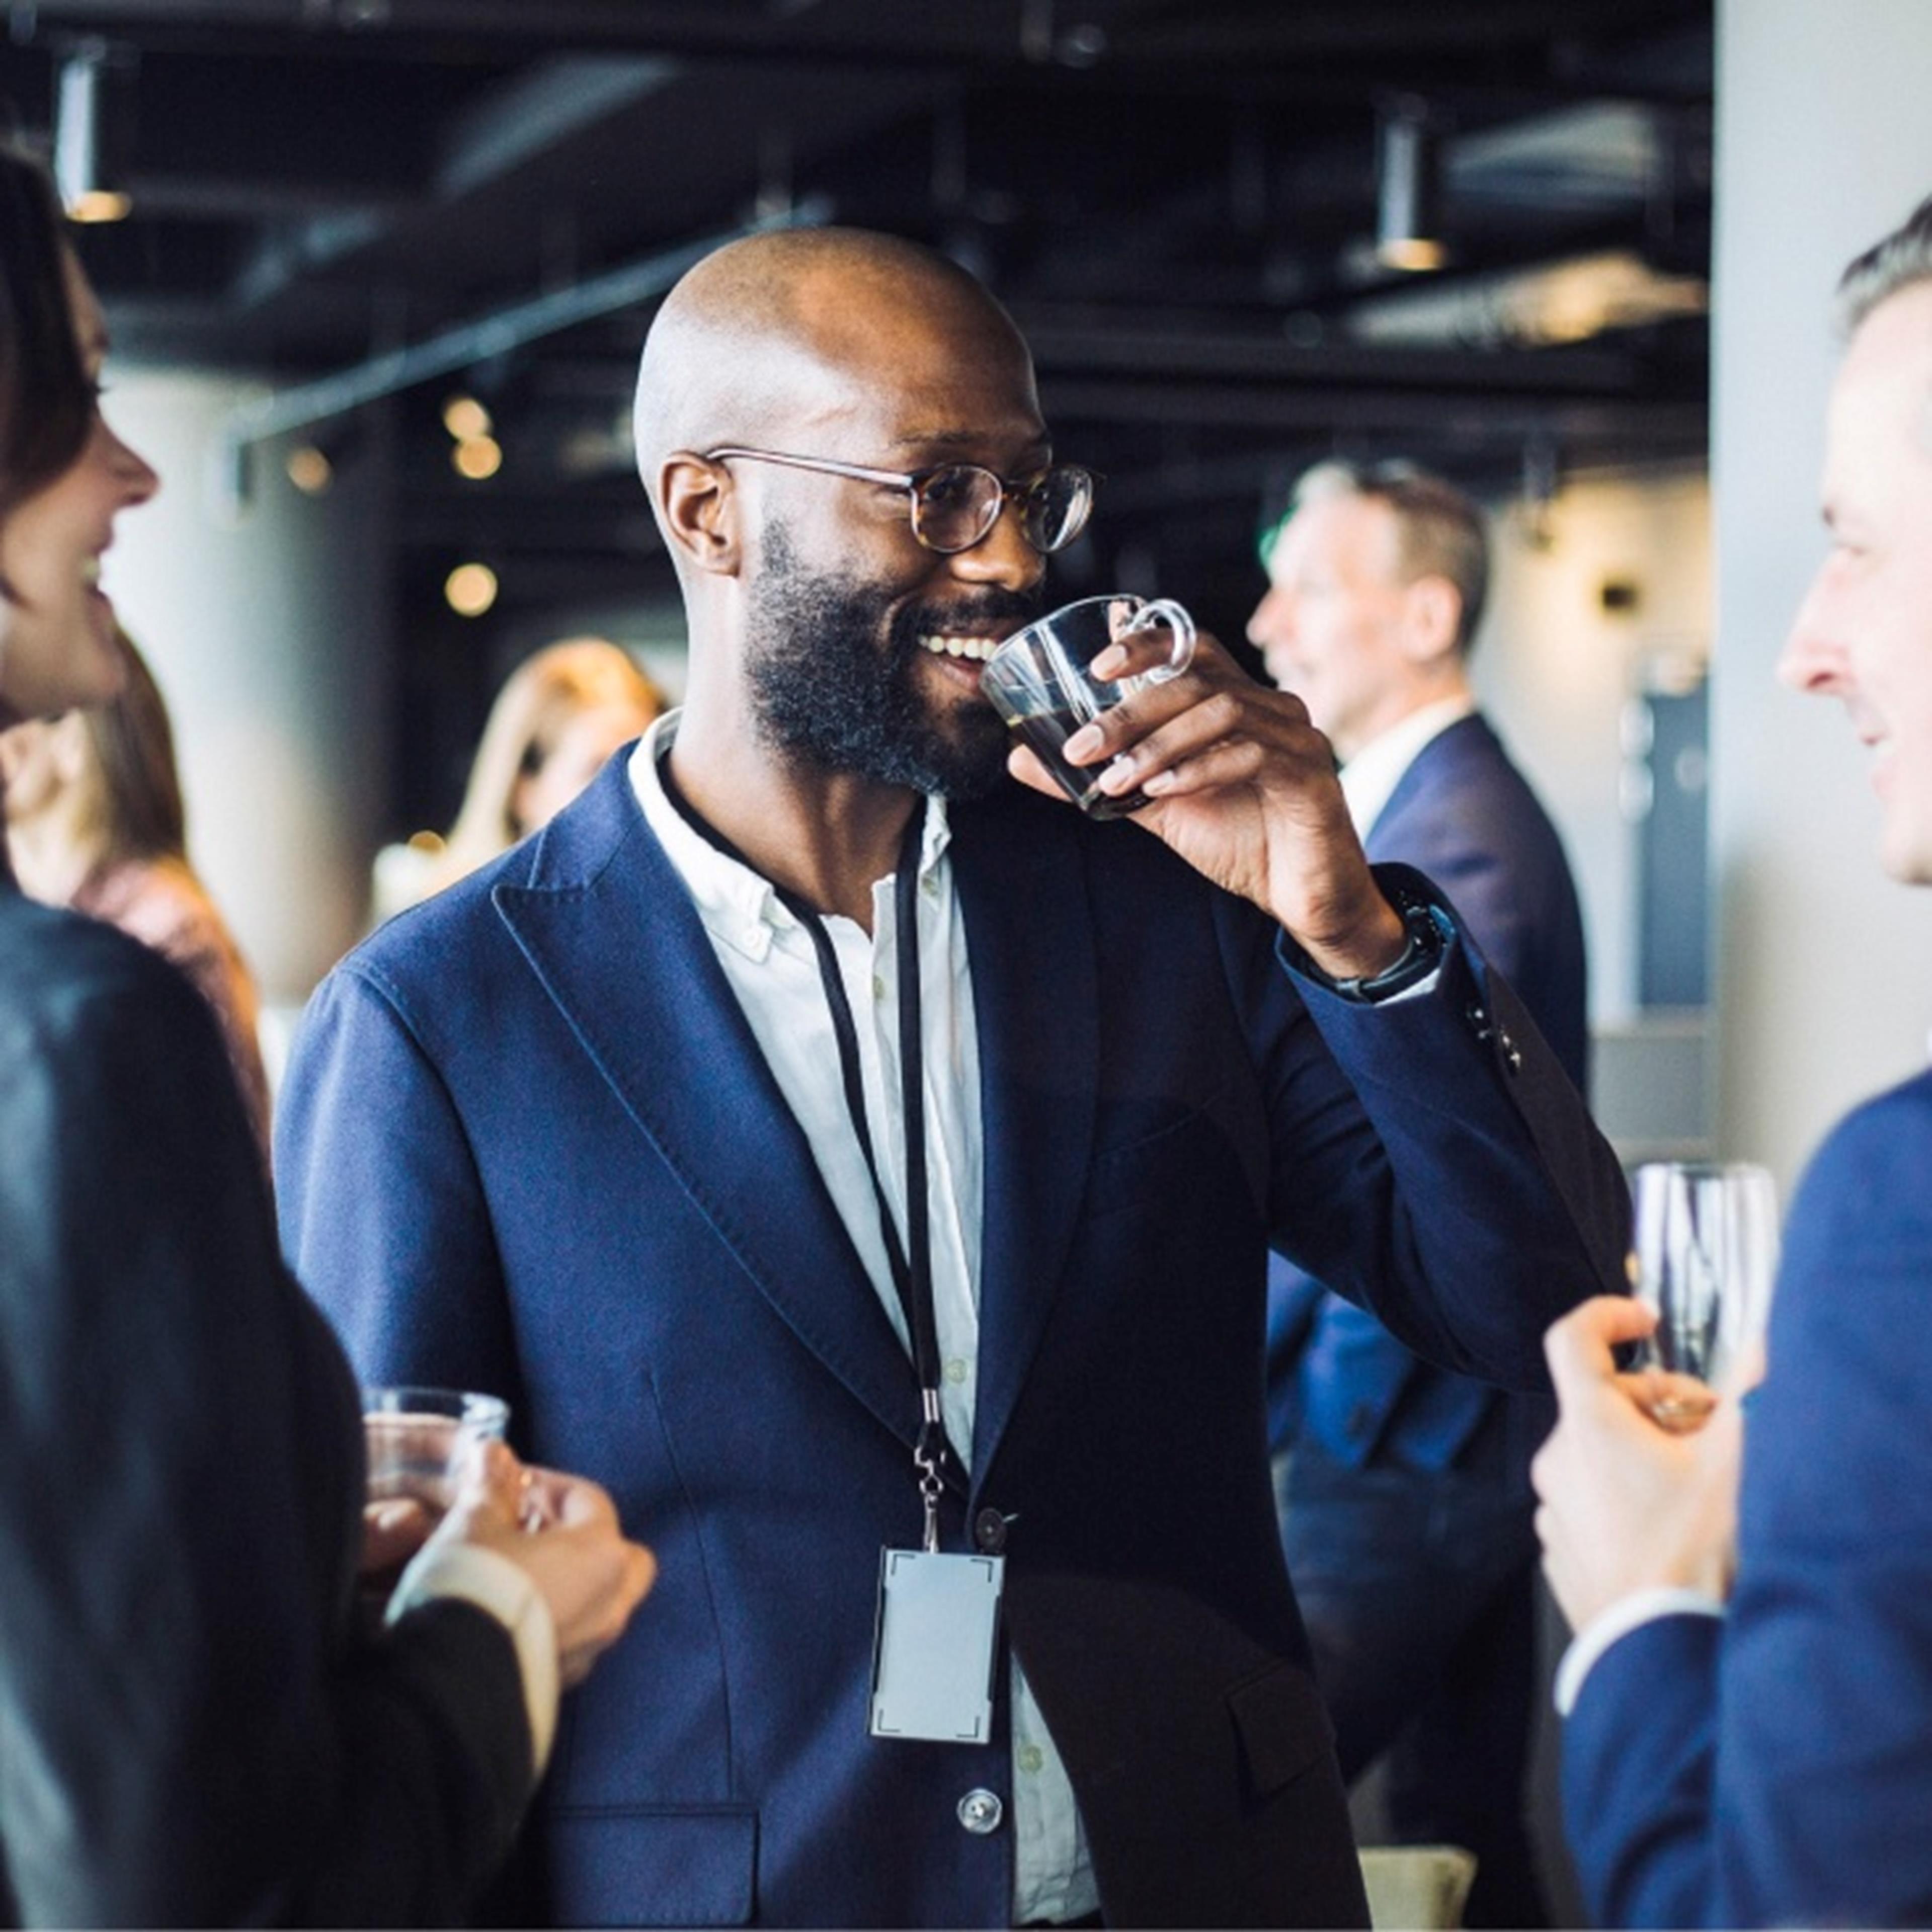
1776	1768
528	1143
1463	815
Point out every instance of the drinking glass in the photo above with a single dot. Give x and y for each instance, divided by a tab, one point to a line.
418	1440
1704	1252
1040	681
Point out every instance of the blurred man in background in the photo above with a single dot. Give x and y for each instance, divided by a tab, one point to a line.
1407	1511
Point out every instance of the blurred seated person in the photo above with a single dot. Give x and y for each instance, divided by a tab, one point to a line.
560	714
95	822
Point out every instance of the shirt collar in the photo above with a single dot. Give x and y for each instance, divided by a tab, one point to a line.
738	906
1370	778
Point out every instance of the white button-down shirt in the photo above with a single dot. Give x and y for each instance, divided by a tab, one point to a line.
773	968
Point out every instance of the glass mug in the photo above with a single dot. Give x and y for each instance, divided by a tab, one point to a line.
1040	680
419	1441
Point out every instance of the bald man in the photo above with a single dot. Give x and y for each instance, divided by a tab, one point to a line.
864	1164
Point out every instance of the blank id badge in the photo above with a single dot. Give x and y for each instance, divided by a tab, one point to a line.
935	1645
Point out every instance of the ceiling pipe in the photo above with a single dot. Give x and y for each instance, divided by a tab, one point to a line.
328	396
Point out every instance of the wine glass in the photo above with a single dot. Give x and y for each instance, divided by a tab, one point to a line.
1704	1252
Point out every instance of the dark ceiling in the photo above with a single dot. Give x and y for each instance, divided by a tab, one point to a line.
360	198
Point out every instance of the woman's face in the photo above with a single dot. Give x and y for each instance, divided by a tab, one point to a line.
579	754
58	650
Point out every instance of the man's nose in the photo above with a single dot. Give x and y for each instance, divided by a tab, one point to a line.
1004	556
1273	619
1813	660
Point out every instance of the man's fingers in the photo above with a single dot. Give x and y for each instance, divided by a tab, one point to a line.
569	1502
1579	1348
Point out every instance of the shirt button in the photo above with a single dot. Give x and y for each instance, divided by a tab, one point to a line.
878	987
989	1531
980	1812
955	1371
929	885
1031	1757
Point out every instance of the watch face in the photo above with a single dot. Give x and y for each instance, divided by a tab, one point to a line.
1418	959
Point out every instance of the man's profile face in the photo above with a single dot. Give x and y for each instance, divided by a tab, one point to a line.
863	648
1864	634
1330	627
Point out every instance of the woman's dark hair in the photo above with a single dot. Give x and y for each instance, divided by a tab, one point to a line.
46	401
133	745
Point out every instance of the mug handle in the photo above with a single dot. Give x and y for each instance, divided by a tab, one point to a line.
1164	613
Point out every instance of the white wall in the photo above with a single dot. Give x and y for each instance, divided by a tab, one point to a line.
271	641
1824	141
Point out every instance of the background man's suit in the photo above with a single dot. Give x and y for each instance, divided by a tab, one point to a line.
1791	1739
528	1143
1409	1519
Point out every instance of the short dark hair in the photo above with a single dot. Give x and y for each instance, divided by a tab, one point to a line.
46	401
1895	262
1439	531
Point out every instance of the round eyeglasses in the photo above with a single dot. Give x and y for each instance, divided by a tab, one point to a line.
954	505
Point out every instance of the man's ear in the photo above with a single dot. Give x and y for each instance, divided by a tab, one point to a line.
699	512
1431	611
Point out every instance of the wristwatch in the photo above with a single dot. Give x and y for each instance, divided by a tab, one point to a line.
1428	932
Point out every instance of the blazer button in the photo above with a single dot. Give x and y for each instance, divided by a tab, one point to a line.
989	1531
980	1812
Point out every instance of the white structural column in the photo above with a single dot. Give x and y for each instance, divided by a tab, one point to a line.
271	637
1824	967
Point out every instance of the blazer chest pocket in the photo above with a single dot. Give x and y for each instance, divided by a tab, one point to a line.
1145	1168
1281	1726
612	1866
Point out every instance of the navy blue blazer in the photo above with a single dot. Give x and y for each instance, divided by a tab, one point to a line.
1464	815
528	1143
1775	1768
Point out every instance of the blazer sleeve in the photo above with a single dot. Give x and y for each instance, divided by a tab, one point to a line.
1776	1768
1437	1166
189	1732
414	1286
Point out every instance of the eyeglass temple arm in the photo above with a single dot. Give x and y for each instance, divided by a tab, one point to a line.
897	478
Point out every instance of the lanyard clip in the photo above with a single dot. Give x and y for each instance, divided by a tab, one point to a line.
928	1458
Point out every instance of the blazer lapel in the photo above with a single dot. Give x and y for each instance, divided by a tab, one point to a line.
1023	894
608	928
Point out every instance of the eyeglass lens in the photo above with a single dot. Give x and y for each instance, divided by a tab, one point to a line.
956	506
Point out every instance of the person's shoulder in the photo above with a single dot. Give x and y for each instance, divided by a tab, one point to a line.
1865	1188
1890	1134
1471	751
1467	770
77	992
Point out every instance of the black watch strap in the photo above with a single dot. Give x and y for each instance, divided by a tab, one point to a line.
1428	932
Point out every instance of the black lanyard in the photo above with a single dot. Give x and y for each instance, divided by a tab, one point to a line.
910	1261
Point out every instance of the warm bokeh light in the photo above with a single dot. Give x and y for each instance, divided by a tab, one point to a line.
471	588
100	204
477	457
309	470
464	417
1412	252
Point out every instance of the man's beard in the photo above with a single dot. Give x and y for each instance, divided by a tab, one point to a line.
825	692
